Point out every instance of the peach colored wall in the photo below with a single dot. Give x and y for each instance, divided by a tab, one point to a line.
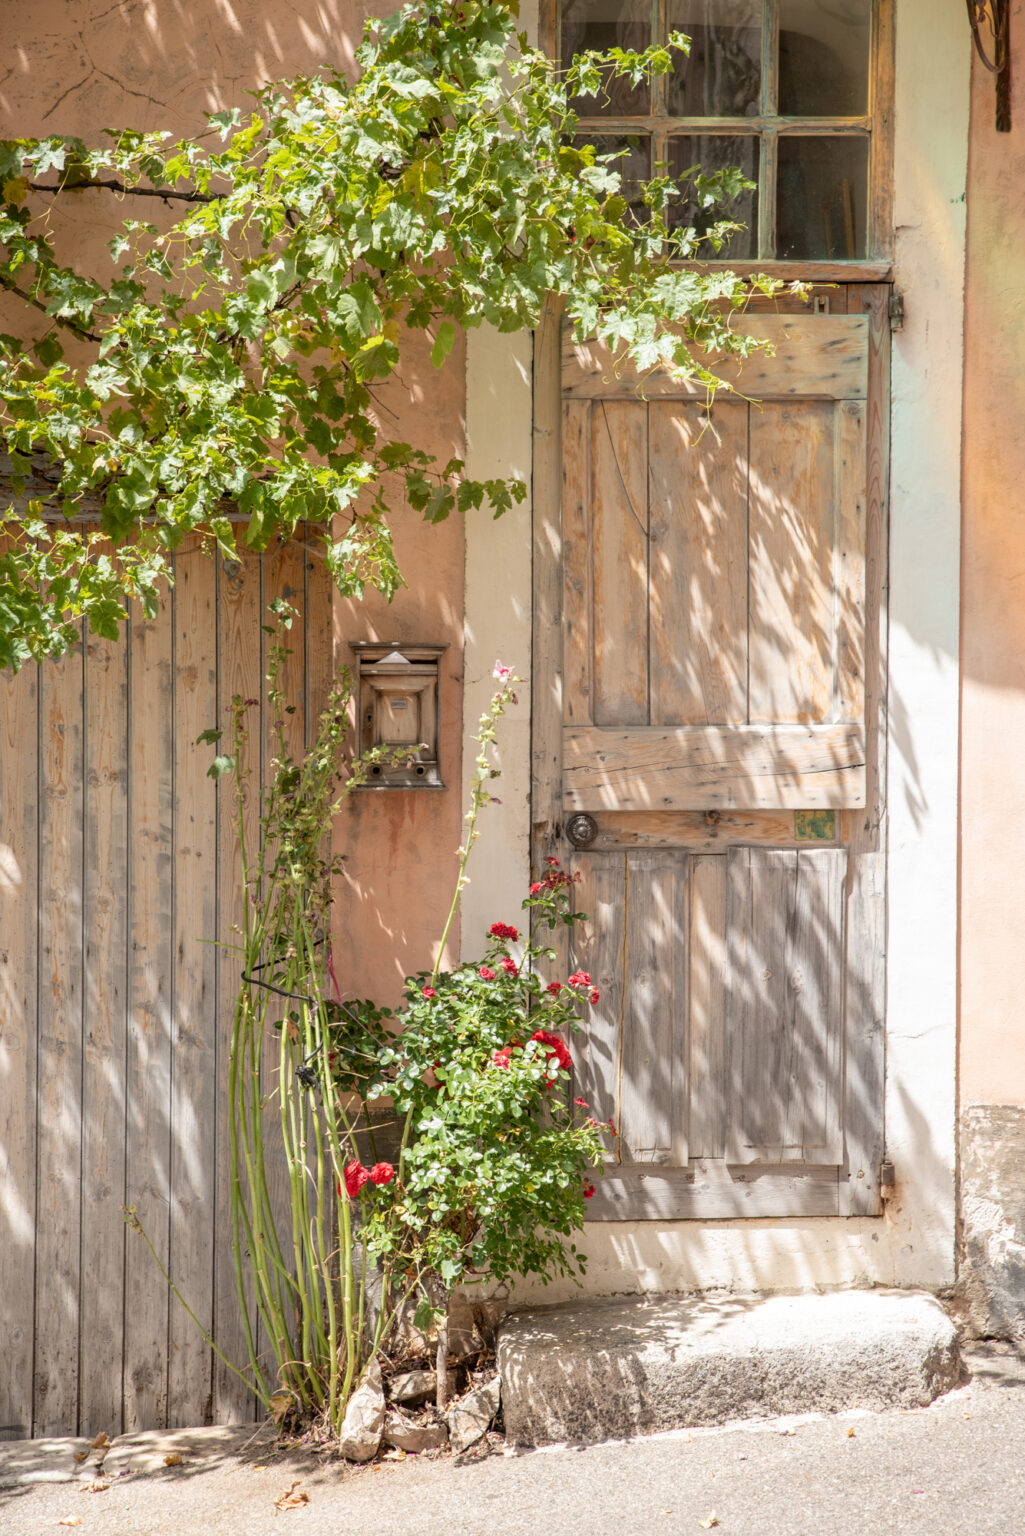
992	982
77	66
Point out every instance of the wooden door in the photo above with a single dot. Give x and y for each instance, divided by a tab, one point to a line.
707	695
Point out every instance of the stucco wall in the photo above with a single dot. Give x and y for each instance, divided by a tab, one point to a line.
913	1244
992	981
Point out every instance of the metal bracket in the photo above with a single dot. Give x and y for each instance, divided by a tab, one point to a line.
994	17
887	1181
896	310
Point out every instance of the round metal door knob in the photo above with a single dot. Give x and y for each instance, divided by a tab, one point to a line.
581	830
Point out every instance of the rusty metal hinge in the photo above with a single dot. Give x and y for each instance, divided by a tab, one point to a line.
887	1180
896	310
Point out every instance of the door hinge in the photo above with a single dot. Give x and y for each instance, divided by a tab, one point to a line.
896	310
887	1181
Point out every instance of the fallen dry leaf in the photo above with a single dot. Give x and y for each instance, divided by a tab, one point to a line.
80	1455
98	1485
280	1402
713	1519
70	1520
100	1441
173	1459
850	1432
292	1498
259	1469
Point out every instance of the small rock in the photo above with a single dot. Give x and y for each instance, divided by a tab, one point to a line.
417	1386
468	1419
405	1436
364	1418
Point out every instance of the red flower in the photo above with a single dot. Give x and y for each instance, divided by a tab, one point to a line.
554	987
595	994
588	1191
486	973
504	931
501	674
501	1058
552	863
612	1126
509	965
381	1173
580	979
428	992
537	887
355	1178
582	1103
555	1048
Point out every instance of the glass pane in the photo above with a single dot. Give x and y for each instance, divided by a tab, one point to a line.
822	199
716	153
722	77
634	166
823	57
606	24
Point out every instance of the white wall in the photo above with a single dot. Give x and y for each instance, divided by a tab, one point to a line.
913	1243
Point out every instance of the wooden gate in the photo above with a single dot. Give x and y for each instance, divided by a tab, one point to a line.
708	689
118	873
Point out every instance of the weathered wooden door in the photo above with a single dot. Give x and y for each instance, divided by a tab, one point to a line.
708	685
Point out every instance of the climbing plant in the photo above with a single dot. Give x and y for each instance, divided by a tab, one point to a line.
269	278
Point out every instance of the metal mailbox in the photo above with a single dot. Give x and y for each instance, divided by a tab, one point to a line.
398	695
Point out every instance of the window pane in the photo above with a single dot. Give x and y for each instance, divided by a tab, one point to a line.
715	153
634	166
722	77
604	24
823	57
823	198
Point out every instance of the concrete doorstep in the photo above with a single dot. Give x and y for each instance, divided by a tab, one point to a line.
615	1369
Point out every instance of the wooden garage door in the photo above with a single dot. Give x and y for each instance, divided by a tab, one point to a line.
707	691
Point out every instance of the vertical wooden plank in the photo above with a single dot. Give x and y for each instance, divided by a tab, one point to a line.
866	869
619	537
105	1027
193	1075
849	561
598	947
578	576
239	635
709	1098
19	894
653	1092
59	1133
320	670
784	1006
282	578
698	577
546	625
150	990
791	562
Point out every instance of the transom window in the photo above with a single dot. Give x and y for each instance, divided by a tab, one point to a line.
785	89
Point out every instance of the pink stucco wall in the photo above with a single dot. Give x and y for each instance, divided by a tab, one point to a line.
992	981
78	66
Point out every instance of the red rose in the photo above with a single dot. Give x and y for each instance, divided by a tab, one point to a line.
554	1048
501	1058
612	1126
509	965
537	887
381	1173
554	987
429	992
552	863
486	973
588	1191
580	979
355	1178
582	1103
595	994
504	931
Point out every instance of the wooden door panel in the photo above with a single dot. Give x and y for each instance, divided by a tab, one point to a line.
712	642
698	562
784	1005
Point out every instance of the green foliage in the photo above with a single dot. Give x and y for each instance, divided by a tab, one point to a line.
230	358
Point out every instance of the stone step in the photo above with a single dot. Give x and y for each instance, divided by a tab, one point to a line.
612	1369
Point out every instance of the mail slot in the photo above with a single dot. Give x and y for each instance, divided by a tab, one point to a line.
398	695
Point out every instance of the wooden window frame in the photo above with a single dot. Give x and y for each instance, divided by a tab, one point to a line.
876	124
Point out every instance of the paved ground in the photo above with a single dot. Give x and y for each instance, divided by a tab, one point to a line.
954	1469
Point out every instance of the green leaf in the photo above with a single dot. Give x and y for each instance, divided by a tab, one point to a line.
220	766
443	343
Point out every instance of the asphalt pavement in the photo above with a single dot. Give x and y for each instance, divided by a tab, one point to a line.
956	1468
